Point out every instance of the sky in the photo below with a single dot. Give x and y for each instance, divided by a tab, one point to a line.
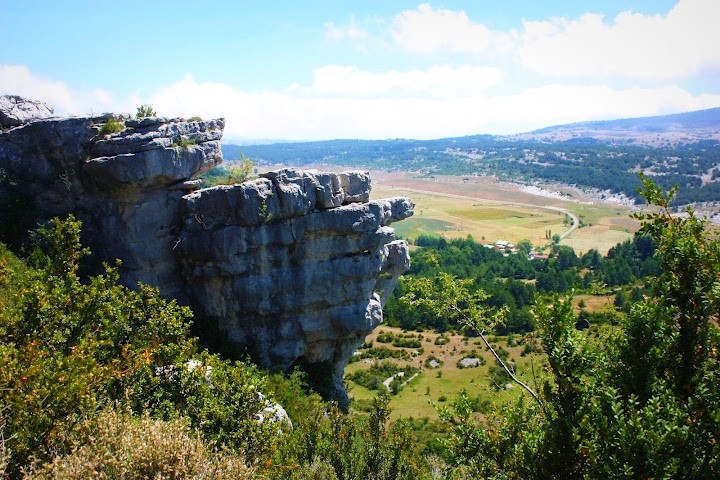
373	69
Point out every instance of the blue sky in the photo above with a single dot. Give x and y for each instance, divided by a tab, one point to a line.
366	69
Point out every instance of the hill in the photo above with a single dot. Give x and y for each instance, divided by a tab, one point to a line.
652	131
605	156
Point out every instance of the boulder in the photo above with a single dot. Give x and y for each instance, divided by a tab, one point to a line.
16	111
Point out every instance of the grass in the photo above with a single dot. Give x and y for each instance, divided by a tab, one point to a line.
421	396
184	142
488	210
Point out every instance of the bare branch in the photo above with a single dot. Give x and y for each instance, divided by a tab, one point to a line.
509	372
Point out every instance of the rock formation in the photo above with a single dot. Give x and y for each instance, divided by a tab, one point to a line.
16	111
294	266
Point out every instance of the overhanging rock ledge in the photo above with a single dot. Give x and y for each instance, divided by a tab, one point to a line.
294	266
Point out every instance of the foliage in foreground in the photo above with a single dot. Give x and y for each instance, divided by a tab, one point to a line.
99	381
118	445
69	348
330	445
643	405
646	405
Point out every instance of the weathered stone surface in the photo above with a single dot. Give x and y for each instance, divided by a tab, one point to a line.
295	266
125	187
296	281
16	110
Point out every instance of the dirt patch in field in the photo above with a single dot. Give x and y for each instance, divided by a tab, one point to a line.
490	210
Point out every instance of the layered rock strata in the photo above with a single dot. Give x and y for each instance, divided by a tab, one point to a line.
301	271
294	266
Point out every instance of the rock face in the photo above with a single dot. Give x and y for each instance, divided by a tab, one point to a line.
294	266
16	111
301	271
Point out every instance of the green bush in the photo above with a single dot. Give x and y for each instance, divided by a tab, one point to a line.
327	444
239	171
373	377
401	342
380	354
184	142
118	445
145	111
644	404
385	337
113	125
70	347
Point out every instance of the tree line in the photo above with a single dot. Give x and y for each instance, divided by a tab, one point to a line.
513	281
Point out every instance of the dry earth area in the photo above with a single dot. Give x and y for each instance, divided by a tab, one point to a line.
492	210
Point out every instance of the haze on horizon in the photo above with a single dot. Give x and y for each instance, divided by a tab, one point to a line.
366	69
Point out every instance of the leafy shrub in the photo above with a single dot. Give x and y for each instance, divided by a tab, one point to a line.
239	171
118	445
373	377
644	404
402	342
113	125
184	142
194	118
327	445
145	111
380	354
385	337
70	347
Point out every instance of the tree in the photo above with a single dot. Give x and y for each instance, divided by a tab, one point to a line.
644	404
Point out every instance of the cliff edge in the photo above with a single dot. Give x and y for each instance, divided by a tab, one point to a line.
294	266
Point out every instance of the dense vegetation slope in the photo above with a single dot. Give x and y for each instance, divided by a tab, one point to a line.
87	363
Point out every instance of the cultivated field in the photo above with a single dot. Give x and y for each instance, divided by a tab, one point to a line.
490	210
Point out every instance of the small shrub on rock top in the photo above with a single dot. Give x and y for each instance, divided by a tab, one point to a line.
145	111
113	125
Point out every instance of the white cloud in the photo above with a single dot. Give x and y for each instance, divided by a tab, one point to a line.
428	30
438	81
359	111
632	45
19	80
312	114
657	47
351	31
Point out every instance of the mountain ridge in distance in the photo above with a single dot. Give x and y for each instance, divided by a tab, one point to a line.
657	131
653	131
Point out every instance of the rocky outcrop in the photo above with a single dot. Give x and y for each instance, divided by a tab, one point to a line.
16	111
294	266
126	187
300	271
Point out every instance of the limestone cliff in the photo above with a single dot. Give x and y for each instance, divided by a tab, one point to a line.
294	266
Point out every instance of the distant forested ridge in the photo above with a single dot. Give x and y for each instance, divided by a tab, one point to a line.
587	162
